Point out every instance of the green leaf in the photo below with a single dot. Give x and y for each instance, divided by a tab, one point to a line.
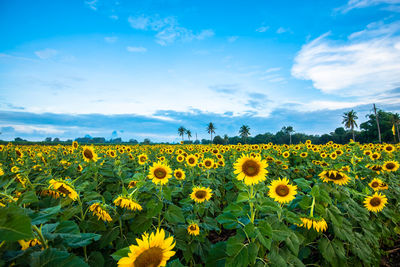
234	245
14	224
228	220
216	254
252	251
27	198
96	259
45	215
174	214
269	205
293	243
175	263
53	257
292	217
315	191
327	251
123	252
242	197
302	183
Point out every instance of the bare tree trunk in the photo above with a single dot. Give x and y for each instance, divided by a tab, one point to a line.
352	129
398	136
211	138
290	139
377	124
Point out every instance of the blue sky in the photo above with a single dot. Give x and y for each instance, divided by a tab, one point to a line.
144	68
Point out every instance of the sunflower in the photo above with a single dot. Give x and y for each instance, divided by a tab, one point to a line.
63	188
89	154
154	250
1	171
375	184
111	153
30	243
376	202
125	202
99	210
75	144
179	174
333	155
193	229
142	159
281	191
201	194
191	160
303	154
79	168
208	163
49	192
132	184
375	156
251	169
337	177
159	173
376	168
286	154
391	166
14	169
318	225
389	148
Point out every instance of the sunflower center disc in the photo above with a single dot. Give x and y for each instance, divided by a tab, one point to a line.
192	227
376	201
251	168
207	163
390	166
191	160
88	154
63	190
178	175
151	257
201	194
338	176
282	190
376	168
375	184
160	173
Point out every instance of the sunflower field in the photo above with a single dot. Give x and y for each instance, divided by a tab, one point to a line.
199	205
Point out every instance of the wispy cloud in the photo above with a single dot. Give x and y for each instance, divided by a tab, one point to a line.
354	4
272	70
136	49
46	53
111	39
114	17
232	39
92	4
167	29
281	30
262	29
366	64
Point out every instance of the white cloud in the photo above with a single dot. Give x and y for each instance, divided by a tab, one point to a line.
46	53
262	29
353	4
112	39
114	17
281	30
92	4
232	39
272	70
366	64
134	49
21	128
167	29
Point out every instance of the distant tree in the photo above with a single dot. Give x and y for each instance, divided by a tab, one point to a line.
19	139
244	132
146	141
133	141
211	129
288	130
218	140
181	131
226	139
48	139
189	134
205	141
349	121
395	120
56	140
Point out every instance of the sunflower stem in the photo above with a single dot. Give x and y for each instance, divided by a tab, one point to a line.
312	207
41	238
251	196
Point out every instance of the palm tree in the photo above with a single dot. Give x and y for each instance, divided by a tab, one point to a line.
244	132
211	129
288	130
349	121
189	134
181	131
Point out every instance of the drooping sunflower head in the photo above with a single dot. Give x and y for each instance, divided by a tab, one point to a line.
376	202
337	177
179	174
89	154
191	160
128	203
99	210
391	166
250	169
281	191
193	229
201	194
154	250
159	173
318	224
64	188
75	144
375	184
376	168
